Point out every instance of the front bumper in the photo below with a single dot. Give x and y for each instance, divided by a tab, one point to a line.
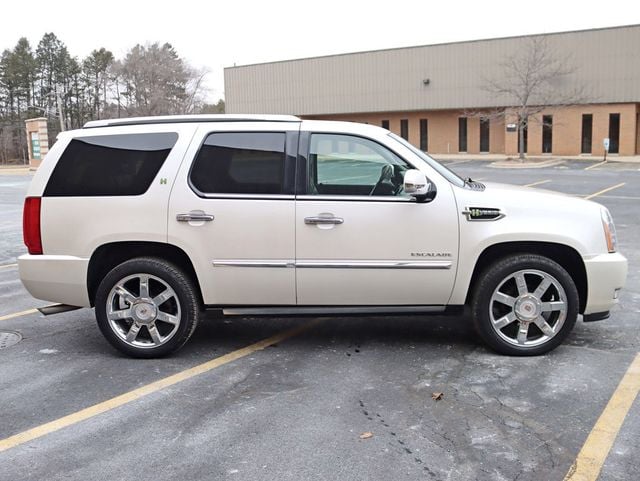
61	279
606	275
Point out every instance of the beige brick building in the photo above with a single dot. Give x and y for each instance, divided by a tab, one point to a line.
435	95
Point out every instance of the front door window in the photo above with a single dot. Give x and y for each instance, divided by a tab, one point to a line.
350	165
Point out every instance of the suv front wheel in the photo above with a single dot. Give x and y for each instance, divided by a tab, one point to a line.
146	307
525	305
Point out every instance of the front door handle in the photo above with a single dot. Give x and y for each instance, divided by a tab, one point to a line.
321	220
195	216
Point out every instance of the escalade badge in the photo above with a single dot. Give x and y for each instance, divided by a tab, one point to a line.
431	254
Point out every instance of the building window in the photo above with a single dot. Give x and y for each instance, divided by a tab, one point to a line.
385	124
484	135
614	133
424	135
462	134
587	128
404	129
547	133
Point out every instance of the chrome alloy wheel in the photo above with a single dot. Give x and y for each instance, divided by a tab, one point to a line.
143	311
528	308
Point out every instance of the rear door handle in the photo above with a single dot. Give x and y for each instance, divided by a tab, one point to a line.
195	216
323	220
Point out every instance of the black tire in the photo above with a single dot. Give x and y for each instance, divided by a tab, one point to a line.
172	321
487	312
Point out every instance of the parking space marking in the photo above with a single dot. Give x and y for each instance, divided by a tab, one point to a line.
6	317
8	266
122	399
540	182
596	165
623	197
605	190
596	448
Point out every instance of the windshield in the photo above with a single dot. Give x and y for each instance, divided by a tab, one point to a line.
441	169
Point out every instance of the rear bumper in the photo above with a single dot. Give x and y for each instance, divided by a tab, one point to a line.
61	279
606	275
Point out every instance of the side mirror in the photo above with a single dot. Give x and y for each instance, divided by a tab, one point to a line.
418	187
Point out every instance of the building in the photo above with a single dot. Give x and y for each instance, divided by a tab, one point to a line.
437	96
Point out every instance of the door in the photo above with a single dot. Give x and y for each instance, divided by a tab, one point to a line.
359	239
233	212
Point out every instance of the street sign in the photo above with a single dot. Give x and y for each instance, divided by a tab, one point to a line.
605	143
35	145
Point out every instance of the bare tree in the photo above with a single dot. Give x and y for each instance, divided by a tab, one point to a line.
532	80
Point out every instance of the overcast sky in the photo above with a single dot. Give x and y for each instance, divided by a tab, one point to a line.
214	35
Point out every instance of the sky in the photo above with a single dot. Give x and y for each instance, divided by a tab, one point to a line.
212	35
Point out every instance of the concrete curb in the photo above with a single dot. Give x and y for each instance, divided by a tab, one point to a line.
516	164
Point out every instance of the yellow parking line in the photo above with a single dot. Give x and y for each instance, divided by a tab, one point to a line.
18	314
537	183
593	454
7	266
150	388
596	165
604	190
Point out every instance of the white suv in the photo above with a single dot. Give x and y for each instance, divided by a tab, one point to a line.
153	220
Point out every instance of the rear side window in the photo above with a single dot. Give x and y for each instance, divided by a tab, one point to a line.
240	163
110	165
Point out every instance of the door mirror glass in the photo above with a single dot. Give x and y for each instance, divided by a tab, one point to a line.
417	186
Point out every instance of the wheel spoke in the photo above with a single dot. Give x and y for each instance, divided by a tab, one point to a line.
544	326
163	297
542	288
118	315
553	306
133	332
521	283
523	332
144	286
169	318
505	320
505	299
155	335
125	294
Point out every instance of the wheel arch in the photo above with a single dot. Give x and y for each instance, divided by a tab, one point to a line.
564	255
107	256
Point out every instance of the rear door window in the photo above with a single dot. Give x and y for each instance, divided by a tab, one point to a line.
240	163
110	165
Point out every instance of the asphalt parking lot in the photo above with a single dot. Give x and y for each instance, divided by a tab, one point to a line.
295	405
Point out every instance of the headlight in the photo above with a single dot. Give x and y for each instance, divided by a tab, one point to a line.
609	230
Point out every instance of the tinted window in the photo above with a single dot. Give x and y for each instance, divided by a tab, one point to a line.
348	165
240	163
109	165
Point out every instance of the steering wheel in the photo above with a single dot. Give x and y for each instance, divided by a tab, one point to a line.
385	184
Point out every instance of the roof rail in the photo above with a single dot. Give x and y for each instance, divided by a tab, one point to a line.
180	119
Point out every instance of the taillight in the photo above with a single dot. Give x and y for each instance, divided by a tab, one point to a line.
31	225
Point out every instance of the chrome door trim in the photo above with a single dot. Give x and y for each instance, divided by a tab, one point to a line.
254	263
331	264
329	310
352	198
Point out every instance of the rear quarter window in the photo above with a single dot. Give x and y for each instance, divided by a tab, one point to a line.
110	165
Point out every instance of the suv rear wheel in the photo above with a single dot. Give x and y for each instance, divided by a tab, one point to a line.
525	305
146	307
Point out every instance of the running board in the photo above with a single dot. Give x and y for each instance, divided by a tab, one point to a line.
57	309
329	311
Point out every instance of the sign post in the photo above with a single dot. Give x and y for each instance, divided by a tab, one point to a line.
37	140
605	144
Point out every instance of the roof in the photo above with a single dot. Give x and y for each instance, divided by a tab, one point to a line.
178	119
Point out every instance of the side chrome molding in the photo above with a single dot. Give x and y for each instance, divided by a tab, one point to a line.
328	310
330	264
